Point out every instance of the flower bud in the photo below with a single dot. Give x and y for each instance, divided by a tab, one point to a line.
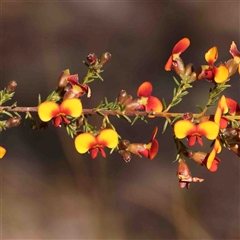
11	86
92	58
123	144
232	66
188	116
126	155
105	58
79	122
13	122
124	98
199	157
62	80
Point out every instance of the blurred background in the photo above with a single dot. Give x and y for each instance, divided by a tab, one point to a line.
48	190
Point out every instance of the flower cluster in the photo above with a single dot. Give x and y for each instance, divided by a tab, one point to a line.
63	107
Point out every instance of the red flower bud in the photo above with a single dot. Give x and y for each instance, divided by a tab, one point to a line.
105	58
13	122
11	86
92	58
126	155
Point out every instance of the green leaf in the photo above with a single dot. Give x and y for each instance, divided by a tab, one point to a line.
199	107
164	104
126	118
176	81
39	99
177	101
165	126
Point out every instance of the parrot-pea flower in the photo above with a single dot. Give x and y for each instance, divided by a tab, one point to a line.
180	47
149	150
185	128
50	110
85	142
78	89
212	73
148	102
208	159
225	105
184	175
236	54
2	152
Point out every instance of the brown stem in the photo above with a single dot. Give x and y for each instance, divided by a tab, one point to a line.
112	112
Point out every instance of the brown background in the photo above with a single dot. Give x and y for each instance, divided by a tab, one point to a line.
48	190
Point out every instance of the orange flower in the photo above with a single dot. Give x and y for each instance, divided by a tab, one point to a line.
149	150
212	73
225	105
2	151
148	102
180	47
185	128
236	54
88	142
77	88
211	161
50	110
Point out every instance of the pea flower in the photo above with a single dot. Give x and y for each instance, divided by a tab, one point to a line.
50	110
185	128
148	150
236	55
174	60
212	73
225	105
208	159
184	175
85	142
77	89
2	152
148	102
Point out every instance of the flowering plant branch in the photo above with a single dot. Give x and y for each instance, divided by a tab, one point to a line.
64	108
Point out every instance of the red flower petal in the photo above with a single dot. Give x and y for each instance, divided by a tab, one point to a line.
223	123
94	152
154	104
232	105
191	140
181	46
168	65
145	89
233	50
154	149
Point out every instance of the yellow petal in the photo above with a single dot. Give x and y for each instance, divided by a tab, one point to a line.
84	141
109	137
222	103
211	158
47	110
217	146
184	128
2	151
211	55
217	116
221	74
209	129
71	107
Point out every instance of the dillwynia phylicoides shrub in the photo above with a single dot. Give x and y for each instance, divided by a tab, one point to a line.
63	107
